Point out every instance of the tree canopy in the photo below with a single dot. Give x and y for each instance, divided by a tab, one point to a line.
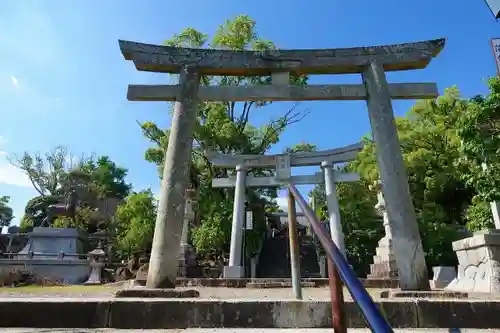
225	128
53	174
6	213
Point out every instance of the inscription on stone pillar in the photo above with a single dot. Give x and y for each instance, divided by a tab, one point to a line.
283	167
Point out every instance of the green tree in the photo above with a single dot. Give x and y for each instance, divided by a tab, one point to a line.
223	127
102	177
134	222
479	132
435	168
47	172
6	213
56	172
361	225
431	149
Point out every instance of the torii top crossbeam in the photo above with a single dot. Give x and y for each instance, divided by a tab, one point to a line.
167	59
337	155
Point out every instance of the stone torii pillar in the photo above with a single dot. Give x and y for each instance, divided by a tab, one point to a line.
235	270
394	181
333	206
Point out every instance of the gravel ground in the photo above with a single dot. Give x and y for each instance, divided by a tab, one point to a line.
205	293
233	330
217	293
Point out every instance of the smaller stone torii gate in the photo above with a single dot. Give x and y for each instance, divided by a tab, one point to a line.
282	163
371	62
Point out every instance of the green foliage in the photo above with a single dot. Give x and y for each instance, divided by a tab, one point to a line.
46	172
83	219
225	128
134	223
439	173
361	225
26	224
103	177
211	235
431	149
54	174
35	211
437	235
300	147
6	213
479	132
479	215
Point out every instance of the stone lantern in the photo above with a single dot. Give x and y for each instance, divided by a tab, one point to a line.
384	262
97	262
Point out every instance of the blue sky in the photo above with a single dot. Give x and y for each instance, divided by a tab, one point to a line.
64	81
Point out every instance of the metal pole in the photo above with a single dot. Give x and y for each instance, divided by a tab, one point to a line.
294	247
337	299
336	288
371	313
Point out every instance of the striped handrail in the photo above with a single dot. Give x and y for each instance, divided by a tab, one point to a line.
372	315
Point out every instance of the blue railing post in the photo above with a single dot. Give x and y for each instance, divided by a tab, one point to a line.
372	315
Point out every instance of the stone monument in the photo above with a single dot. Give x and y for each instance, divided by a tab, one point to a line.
371	62
384	262
56	253
478	263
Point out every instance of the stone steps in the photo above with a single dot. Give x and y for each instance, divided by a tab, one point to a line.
161	313
234	330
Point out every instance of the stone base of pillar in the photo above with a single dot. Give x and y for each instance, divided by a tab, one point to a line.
384	263
478	263
234	272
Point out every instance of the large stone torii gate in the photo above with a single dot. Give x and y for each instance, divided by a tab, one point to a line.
370	62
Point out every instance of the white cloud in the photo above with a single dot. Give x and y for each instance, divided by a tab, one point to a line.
9	174
282	203
14	80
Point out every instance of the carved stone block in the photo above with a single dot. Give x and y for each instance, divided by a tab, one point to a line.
478	263
442	276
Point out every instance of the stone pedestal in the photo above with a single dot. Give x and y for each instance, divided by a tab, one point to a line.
45	243
234	272
384	262
443	276
478	263
53	253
